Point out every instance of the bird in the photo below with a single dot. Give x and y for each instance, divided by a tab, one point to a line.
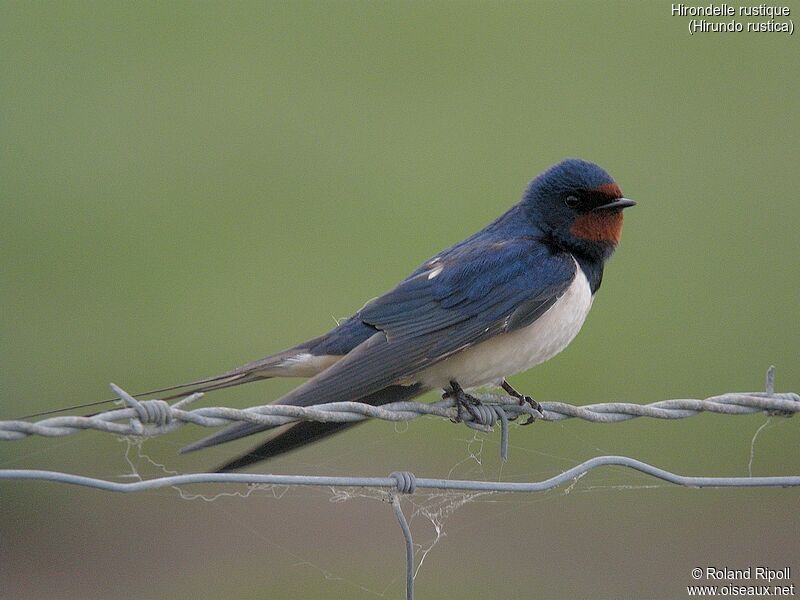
500	302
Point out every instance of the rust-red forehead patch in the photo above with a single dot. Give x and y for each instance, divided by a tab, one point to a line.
610	189
600	226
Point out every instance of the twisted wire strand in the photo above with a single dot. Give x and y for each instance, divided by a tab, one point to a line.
156	417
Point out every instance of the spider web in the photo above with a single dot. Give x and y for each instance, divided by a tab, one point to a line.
429	513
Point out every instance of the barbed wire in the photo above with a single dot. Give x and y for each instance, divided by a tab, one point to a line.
157	417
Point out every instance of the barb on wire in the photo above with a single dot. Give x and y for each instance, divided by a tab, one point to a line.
156	417
153	417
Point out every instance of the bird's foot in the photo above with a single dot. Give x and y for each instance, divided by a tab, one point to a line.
522	400
464	402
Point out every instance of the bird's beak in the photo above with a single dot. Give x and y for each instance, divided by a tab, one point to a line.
618	203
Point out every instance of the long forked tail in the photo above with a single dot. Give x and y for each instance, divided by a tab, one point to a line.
297	435
293	438
193	387
295	362
282	364
206	385
186	389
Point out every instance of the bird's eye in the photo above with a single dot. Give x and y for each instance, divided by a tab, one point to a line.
572	201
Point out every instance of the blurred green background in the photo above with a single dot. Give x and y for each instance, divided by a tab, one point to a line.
189	186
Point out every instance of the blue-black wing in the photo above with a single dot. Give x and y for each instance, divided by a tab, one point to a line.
453	302
460	298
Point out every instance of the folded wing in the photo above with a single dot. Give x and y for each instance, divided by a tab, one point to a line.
457	300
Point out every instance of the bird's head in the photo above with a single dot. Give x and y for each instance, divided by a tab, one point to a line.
578	206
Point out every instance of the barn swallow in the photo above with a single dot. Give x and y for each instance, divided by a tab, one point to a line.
508	298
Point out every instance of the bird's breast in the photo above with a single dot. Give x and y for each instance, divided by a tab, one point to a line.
509	353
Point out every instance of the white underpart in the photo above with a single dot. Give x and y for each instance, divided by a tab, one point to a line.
510	353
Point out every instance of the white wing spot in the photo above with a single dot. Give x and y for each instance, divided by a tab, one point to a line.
304	364
297	359
435	272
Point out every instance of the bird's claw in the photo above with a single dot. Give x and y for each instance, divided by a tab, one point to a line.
523	400
463	402
533	404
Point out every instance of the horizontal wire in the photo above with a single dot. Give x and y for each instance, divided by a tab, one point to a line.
392	483
156	417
